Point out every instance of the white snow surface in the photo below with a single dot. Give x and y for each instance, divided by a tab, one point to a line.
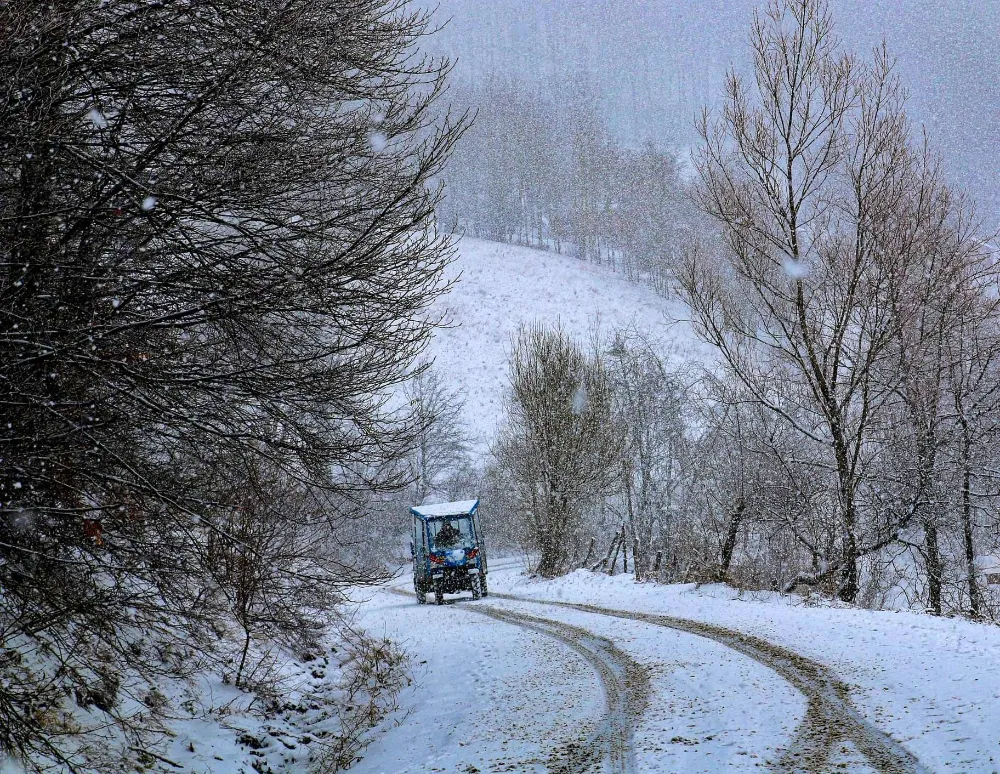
446	509
933	684
500	287
490	696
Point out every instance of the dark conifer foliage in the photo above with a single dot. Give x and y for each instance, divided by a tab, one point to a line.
217	251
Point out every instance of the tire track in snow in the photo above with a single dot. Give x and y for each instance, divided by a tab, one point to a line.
624	691
625	685
830	718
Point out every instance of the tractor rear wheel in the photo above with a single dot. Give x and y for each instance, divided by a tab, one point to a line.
483	591
421	596
477	587
438	592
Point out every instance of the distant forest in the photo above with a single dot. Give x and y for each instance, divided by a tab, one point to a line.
546	171
655	63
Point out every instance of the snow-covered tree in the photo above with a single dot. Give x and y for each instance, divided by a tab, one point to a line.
649	404
842	252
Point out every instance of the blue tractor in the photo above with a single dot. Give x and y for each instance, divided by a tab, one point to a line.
448	552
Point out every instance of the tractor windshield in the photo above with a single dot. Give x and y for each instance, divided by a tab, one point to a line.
451	533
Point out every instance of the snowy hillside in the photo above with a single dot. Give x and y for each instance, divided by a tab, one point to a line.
499	287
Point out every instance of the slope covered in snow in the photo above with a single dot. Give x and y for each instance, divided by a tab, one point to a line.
499	287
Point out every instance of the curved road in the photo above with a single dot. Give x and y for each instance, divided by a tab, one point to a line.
830	727
625	691
830	721
608	742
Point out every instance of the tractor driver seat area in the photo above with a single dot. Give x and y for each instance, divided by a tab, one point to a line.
447	536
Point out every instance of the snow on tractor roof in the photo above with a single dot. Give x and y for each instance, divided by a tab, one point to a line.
460	508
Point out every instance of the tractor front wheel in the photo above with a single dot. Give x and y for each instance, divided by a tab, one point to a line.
438	592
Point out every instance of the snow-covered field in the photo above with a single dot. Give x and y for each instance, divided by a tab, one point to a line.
930	685
500	287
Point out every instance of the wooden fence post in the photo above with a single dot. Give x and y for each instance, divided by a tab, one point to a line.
614	559
603	564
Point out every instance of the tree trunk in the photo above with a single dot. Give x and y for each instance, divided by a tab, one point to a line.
551	538
850	584
975	603
614	559
549	562
732	535
238	680
549	559
934	570
630	509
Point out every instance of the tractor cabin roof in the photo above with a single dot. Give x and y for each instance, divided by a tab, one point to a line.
441	510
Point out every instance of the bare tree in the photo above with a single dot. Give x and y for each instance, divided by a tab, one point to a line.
560	448
821	197
440	446
271	563
649	402
726	488
972	396
217	238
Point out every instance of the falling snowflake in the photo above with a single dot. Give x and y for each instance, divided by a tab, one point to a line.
97	118
795	269
148	203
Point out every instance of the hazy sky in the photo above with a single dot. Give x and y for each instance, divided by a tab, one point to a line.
658	61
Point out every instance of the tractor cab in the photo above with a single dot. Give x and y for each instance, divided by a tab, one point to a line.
447	549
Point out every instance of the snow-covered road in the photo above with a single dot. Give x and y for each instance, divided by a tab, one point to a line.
590	673
556	689
606	740
830	734
488	695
